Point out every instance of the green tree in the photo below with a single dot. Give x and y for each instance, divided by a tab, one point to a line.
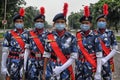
73	20
114	12
12	7
30	13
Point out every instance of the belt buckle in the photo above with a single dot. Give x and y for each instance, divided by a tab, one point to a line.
50	40
17	37
21	55
37	55
79	39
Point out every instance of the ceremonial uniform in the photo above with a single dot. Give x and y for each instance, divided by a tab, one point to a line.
14	45
67	44
109	47
16	53
35	60
109	40
84	69
89	46
34	54
61	49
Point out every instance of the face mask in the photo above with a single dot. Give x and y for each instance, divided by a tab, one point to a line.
101	25
19	25
39	25
84	27
60	26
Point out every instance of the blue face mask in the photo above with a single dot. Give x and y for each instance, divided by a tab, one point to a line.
39	25
60	26
19	25
101	25
84	27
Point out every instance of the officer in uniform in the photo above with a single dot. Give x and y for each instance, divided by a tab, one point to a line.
109	46
33	60
89	48
60	49
14	45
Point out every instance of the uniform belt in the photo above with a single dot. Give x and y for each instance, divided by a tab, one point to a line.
12	54
37	55
21	55
17	55
54	57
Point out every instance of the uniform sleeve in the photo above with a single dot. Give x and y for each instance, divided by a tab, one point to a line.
7	37
113	40
74	49
98	47
6	44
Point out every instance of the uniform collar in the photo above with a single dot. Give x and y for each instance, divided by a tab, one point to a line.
65	33
41	31
17	31
90	33
102	31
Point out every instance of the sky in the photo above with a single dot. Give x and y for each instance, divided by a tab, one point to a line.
53	7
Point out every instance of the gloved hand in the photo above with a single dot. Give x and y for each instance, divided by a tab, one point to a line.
108	57
103	61
57	70
97	76
4	71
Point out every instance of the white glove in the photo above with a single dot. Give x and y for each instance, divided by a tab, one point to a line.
5	54
99	66
59	69
26	54
109	56
98	70
97	76
4	71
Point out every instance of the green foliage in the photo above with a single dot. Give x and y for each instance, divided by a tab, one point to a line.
73	20
113	17
118	38
31	12
96	9
11	9
1	35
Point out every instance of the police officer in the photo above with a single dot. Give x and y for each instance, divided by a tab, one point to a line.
13	48
34	65
60	49
89	48
109	46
